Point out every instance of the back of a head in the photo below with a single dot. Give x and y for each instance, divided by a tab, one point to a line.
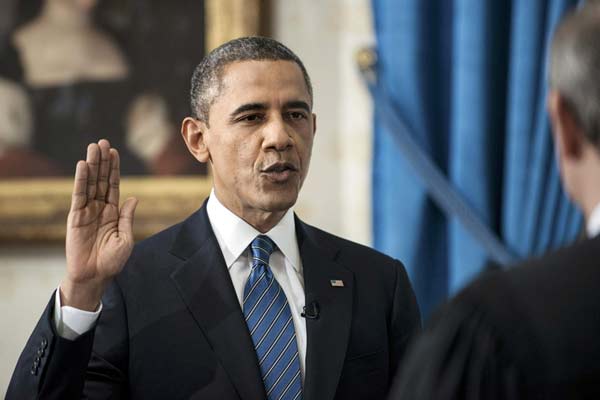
575	67
206	80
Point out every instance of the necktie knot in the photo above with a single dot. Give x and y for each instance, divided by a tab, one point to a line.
262	247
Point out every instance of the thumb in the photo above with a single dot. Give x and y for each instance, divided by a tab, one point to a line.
126	218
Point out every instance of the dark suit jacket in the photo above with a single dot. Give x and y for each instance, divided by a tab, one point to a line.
172	327
532	332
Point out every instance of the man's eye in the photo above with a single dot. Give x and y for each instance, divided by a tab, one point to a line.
297	115
251	118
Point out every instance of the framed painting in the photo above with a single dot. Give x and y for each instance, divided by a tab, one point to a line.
72	72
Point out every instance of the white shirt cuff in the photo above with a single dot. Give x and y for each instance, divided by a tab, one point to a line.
71	322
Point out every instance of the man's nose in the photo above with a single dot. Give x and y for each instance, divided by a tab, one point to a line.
277	134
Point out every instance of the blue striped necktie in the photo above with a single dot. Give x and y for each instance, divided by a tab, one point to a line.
270	323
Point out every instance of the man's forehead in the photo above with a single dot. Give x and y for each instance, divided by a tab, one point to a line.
271	83
263	74
261	64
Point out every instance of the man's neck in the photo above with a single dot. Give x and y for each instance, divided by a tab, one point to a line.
589	192
261	220
588	206
580	178
264	222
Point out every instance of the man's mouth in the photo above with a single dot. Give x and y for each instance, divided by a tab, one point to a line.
280	171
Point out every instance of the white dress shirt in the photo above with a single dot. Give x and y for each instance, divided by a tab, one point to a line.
593	223
234	236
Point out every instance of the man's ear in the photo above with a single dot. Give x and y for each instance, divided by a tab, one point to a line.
314	117
566	128
193	132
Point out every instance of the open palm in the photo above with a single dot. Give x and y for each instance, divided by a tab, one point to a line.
99	234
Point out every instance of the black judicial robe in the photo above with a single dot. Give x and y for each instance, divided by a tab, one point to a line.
532	332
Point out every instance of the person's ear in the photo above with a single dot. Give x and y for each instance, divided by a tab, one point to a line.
314	118
194	134
566	128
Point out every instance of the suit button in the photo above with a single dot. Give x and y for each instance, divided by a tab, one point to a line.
41	352
33	371
44	343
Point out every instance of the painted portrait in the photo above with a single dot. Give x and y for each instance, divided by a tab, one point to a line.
75	71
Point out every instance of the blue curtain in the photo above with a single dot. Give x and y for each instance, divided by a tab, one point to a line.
468	79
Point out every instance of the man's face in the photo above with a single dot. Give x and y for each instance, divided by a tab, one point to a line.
260	136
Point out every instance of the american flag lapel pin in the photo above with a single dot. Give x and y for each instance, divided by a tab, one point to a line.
336	283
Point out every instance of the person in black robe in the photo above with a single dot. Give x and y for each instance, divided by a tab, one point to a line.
532	332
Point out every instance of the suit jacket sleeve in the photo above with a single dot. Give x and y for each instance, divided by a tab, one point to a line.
92	366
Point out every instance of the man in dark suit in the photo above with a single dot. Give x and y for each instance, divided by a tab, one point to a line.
533	332
240	301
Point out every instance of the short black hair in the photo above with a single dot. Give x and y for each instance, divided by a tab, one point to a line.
206	79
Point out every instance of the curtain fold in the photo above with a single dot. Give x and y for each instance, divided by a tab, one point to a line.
468	77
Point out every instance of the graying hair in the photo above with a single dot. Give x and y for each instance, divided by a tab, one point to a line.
206	79
575	67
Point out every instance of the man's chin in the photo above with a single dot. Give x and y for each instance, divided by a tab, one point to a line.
278	201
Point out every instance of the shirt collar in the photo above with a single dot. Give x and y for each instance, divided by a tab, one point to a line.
593	223
234	235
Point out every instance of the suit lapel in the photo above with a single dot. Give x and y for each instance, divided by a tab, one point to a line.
205	285
327	336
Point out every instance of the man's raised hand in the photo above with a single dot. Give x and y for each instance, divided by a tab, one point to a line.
99	234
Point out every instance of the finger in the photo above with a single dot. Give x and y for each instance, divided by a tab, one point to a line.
79	197
114	178
93	163
126	218
102	186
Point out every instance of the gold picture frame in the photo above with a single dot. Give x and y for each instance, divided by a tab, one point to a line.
35	210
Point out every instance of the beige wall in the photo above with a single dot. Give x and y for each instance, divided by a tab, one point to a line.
27	278
336	196
326	36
